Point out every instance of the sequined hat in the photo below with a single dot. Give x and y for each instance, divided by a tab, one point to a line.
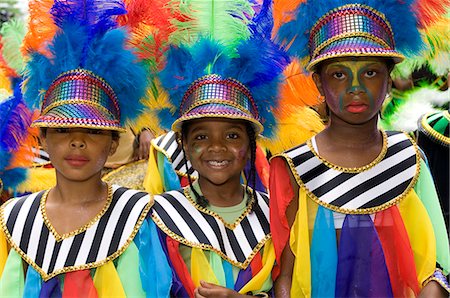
326	29
79	98
213	96
352	30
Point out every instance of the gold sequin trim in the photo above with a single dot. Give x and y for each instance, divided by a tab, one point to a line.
52	230
434	134
440	282
77	125
176	126
347	35
355	169
371	210
214	214
112	257
331	55
203	246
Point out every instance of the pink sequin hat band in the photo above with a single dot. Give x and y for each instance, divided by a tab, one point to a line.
214	97
352	30
79	98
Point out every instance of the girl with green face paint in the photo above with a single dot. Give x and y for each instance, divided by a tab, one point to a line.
344	205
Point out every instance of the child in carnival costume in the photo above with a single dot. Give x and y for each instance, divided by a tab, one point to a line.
354	212
215	231
82	237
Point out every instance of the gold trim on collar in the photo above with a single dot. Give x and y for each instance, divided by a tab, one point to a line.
434	134
81	229
112	257
371	210
354	169
203	246
214	214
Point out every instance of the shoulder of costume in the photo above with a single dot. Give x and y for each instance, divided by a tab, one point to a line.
106	237
365	190
183	220
168	145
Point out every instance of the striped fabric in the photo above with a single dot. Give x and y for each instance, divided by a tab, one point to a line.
23	223
181	220
168	145
383	182
41	157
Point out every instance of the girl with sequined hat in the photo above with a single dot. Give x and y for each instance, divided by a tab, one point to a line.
354	211
83	237
216	229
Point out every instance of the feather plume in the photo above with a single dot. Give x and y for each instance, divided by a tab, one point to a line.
283	12
89	39
15	121
294	129
428	11
224	21
13	33
39	178
41	28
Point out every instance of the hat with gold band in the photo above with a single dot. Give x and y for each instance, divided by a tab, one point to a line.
330	29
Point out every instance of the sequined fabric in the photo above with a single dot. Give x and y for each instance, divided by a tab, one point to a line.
79	98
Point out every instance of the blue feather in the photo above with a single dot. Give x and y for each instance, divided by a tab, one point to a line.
258	63
15	119
398	12
10	177
263	21
89	39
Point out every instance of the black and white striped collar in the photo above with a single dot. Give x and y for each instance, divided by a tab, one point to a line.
183	220
100	241
169	146
375	187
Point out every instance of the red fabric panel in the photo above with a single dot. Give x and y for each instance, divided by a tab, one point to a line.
79	284
179	265
397	251
262	167
256	263
281	194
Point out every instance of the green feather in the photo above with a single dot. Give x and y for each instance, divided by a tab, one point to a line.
222	20
13	33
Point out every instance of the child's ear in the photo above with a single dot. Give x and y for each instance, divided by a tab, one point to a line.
316	79
114	145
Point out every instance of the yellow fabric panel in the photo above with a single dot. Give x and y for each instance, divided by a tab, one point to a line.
107	281
152	181
3	251
200	268
268	260
299	242
421	235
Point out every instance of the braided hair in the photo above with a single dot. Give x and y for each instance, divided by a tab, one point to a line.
251	177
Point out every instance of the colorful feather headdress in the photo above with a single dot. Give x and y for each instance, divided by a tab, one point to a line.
217	77
341	28
85	76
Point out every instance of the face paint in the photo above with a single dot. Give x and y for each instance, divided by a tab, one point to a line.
354	86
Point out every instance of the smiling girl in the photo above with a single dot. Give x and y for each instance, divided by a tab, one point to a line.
83	237
354	212
216	230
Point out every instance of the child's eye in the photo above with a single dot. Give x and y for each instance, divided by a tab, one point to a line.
339	75
95	131
370	73
200	137
62	130
232	136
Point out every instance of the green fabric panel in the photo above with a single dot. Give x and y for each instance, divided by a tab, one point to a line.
215	261
127	269
12	282
160	162
426	191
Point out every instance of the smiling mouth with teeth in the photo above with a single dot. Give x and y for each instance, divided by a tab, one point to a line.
218	163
